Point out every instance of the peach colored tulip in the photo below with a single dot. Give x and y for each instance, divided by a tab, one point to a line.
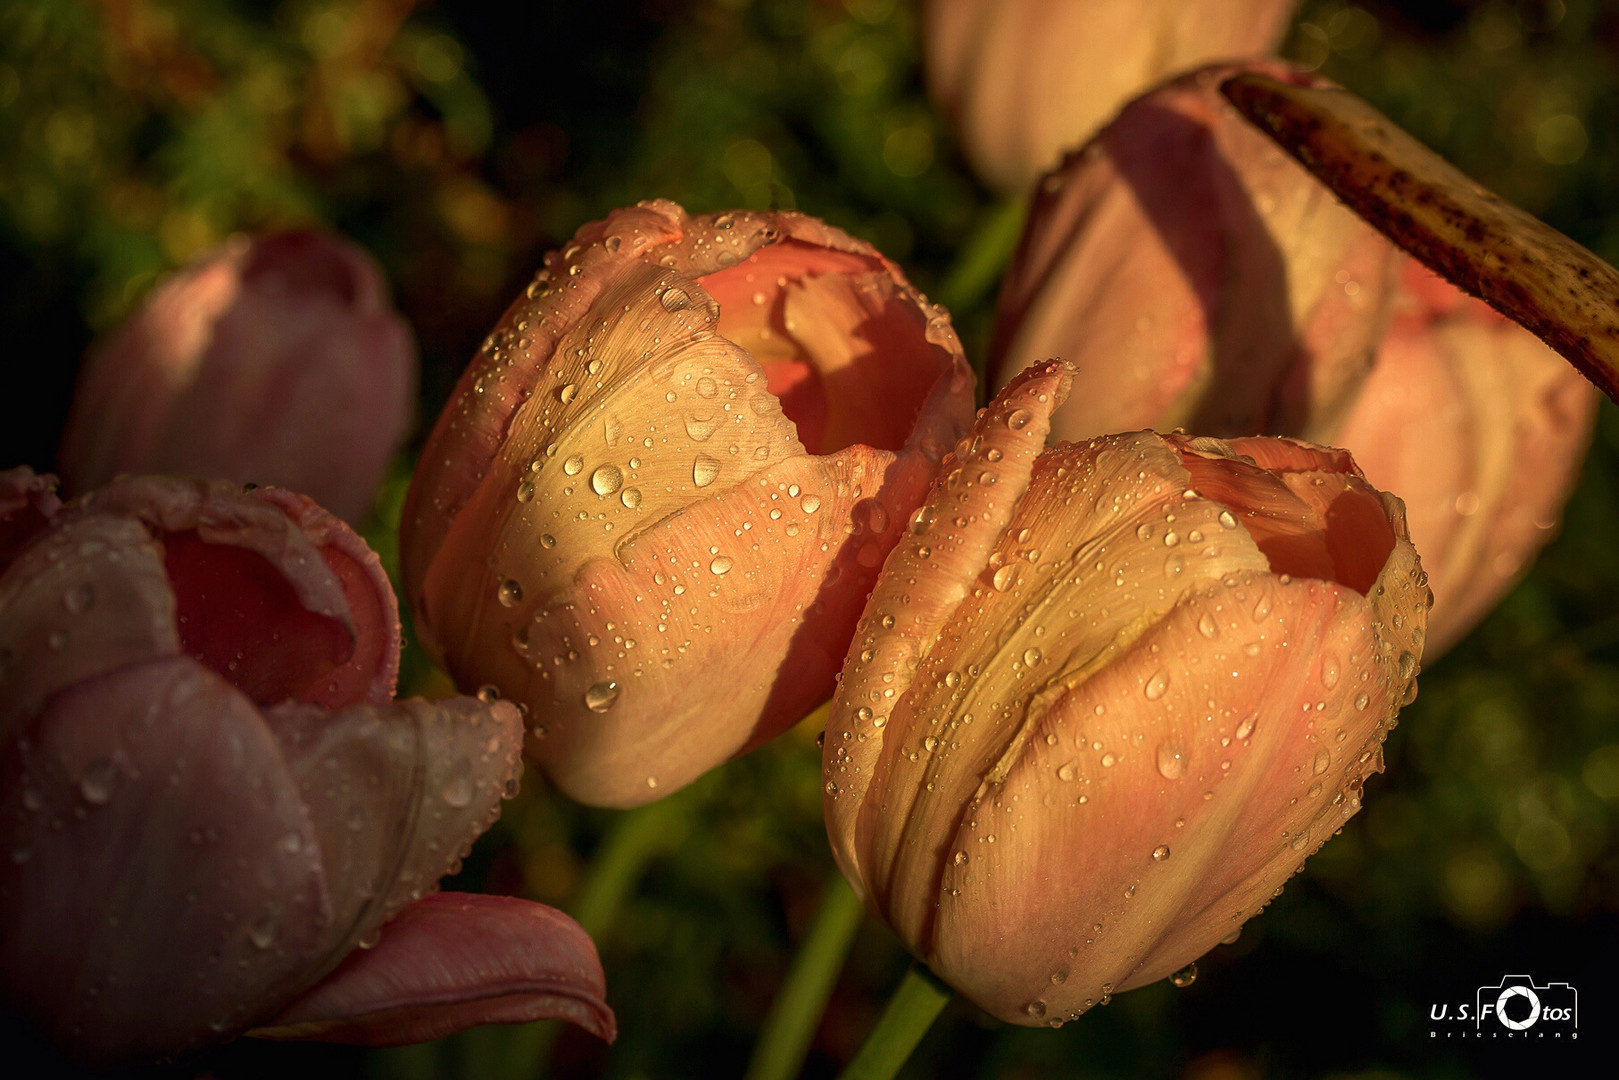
1196	276
1106	698
208	797
1481	430
1024	80
272	360
654	506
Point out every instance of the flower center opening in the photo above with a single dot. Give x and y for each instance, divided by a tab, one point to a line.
843	346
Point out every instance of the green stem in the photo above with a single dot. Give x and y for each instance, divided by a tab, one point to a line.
784	1040
983	257
910	1012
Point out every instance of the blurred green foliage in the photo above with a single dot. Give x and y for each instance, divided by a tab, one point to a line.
460	141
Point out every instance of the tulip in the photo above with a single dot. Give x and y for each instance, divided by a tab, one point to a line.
209	799
657	500
1481	429
273	360
1197	276
1024	80
1106	698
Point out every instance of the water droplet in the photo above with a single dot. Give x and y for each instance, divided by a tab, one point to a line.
262	932
630	497
810	503
1323	758
1036	1008
707	387
568	393
1171	761
574	465
547	540
1004	578
525	491
96	782
1185	977
675	298
704	470
606	479
1246	728
1031	657
488	693
1018	419
79	599
1066	771
458	792
601	696
1207	626
1362	701
1160	853
1156	686
1108	760
960	858
720	565
510	592
1227	520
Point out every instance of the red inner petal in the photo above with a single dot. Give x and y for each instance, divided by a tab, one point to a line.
239	615
1320	523
842	346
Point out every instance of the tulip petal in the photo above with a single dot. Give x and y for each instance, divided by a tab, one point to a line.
450	962
372	672
28	502
1195	276
1480	428
89	597
764	582
275	360
1266	706
288	630
928	577
162	882
397	794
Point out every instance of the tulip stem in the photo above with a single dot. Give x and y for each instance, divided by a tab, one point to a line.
982	258
785	1037
910	1012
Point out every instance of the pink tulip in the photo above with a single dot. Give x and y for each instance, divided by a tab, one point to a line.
272	360
1481	430
1024	80
1105	699
209	798
656	502
1196	276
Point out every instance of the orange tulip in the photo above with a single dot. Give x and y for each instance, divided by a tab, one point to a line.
1106	698
657	500
1200	278
275	359
1025	80
212	808
1196	276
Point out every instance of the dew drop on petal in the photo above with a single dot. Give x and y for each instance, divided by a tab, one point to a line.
1246	728
457	793
601	696
606	479
1185	977
96	782
1004	578
720	565
704	470
1018	419
630	497
1156	686
1160	853
510	593
1171	761
574	465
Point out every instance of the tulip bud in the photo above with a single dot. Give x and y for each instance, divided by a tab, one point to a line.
273	360
208	797
1105	699
654	506
1196	276
1481	429
1024	80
